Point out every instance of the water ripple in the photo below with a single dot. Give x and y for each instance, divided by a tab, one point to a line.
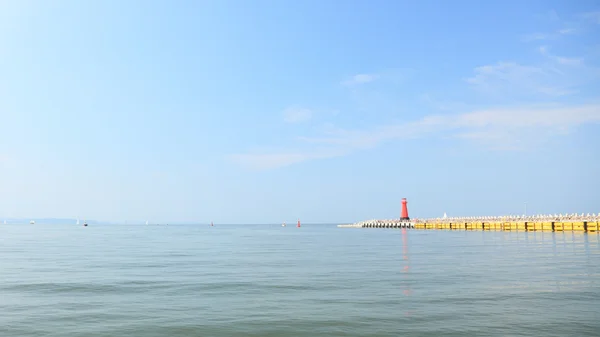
272	281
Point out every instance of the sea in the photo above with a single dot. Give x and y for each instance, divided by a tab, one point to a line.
316	280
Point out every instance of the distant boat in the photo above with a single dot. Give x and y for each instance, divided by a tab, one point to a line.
146	222
77	221
32	222
211	224
84	223
298	223
5	222
283	224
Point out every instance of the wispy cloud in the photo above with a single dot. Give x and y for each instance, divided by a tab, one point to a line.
538	36
514	79
360	79
569	60
499	126
573	61
548	36
509	124
556	76
296	114
508	128
575	25
567	31
592	16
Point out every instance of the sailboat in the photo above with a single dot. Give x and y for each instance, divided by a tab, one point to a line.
32	222
211	224
84	223
283	224
5	222
298	223
78	221
146	222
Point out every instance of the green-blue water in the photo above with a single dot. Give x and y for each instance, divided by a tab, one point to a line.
316	280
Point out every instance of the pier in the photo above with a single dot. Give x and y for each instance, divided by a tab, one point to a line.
551	223
542	222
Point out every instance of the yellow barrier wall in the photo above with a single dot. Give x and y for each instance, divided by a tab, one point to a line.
547	226
458	225
473	226
591	226
578	226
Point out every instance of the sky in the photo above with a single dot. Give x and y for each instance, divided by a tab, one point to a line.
325	111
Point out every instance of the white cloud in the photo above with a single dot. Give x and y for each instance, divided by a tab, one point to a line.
569	60
508	128
556	76
567	31
574	61
297	114
499	126
360	79
513	79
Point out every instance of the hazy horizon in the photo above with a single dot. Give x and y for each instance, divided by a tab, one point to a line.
68	221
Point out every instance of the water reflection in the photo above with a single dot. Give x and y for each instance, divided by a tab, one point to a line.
407	291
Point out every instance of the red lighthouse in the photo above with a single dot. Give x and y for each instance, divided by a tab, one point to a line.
404	215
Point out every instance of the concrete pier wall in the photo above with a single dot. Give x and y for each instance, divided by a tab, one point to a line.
380	224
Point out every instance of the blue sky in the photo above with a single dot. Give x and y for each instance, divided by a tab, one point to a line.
270	111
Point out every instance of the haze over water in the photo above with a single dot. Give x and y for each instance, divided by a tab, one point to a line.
318	280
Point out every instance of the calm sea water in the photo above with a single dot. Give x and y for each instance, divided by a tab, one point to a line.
318	280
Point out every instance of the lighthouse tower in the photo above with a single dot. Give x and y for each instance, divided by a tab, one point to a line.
404	214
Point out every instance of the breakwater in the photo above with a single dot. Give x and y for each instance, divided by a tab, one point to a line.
390	223
553	223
